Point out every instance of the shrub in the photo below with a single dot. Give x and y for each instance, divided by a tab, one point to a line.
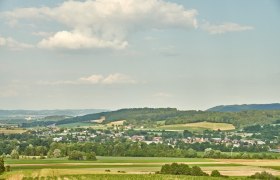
181	169
15	154
76	155
91	156
2	165
264	175
8	168
196	171
216	173
176	169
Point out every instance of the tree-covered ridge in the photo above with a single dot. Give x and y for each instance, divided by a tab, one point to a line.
245	107
150	117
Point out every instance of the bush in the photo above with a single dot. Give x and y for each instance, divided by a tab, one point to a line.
174	168
216	173
264	175
181	169
76	155
190	153
91	156
2	165
15	154
8	168
196	171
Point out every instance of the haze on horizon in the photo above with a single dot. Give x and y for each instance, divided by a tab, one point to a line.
112	54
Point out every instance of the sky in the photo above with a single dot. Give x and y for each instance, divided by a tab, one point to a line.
112	54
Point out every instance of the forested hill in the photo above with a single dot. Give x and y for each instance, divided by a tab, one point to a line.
150	117
245	107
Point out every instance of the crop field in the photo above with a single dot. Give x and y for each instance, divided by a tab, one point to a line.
83	125
136	167
199	126
12	131
128	176
116	123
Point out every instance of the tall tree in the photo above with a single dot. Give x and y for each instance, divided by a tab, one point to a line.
2	165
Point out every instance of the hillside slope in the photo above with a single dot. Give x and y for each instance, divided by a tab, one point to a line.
245	107
150	117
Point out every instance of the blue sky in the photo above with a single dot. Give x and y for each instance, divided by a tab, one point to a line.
188	54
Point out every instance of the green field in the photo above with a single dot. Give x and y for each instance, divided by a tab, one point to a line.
74	125
140	177
132	167
108	159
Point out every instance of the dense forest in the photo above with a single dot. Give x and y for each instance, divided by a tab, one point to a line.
245	107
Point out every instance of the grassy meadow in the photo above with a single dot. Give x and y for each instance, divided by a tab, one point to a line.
132	167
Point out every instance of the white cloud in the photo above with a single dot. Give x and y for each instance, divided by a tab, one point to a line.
78	40
116	78
12	44
93	79
224	28
106	23
163	95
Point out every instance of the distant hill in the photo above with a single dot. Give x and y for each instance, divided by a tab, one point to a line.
45	113
150	117
245	107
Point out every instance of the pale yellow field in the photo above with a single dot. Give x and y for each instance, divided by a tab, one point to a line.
211	125
12	131
252	162
203	125
99	120
116	123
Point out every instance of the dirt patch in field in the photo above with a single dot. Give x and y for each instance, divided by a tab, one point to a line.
252	162
99	120
116	123
12	131
239	170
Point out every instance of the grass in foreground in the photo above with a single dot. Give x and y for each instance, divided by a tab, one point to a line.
108	159
134	177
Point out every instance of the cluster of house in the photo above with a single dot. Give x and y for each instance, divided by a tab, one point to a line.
85	135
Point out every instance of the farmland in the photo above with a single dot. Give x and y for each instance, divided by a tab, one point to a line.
200	126
12	131
118	167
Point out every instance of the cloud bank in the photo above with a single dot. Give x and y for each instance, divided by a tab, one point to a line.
12	44
224	28
116	78
107	24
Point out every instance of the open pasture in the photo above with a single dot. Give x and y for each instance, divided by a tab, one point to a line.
130	166
199	126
